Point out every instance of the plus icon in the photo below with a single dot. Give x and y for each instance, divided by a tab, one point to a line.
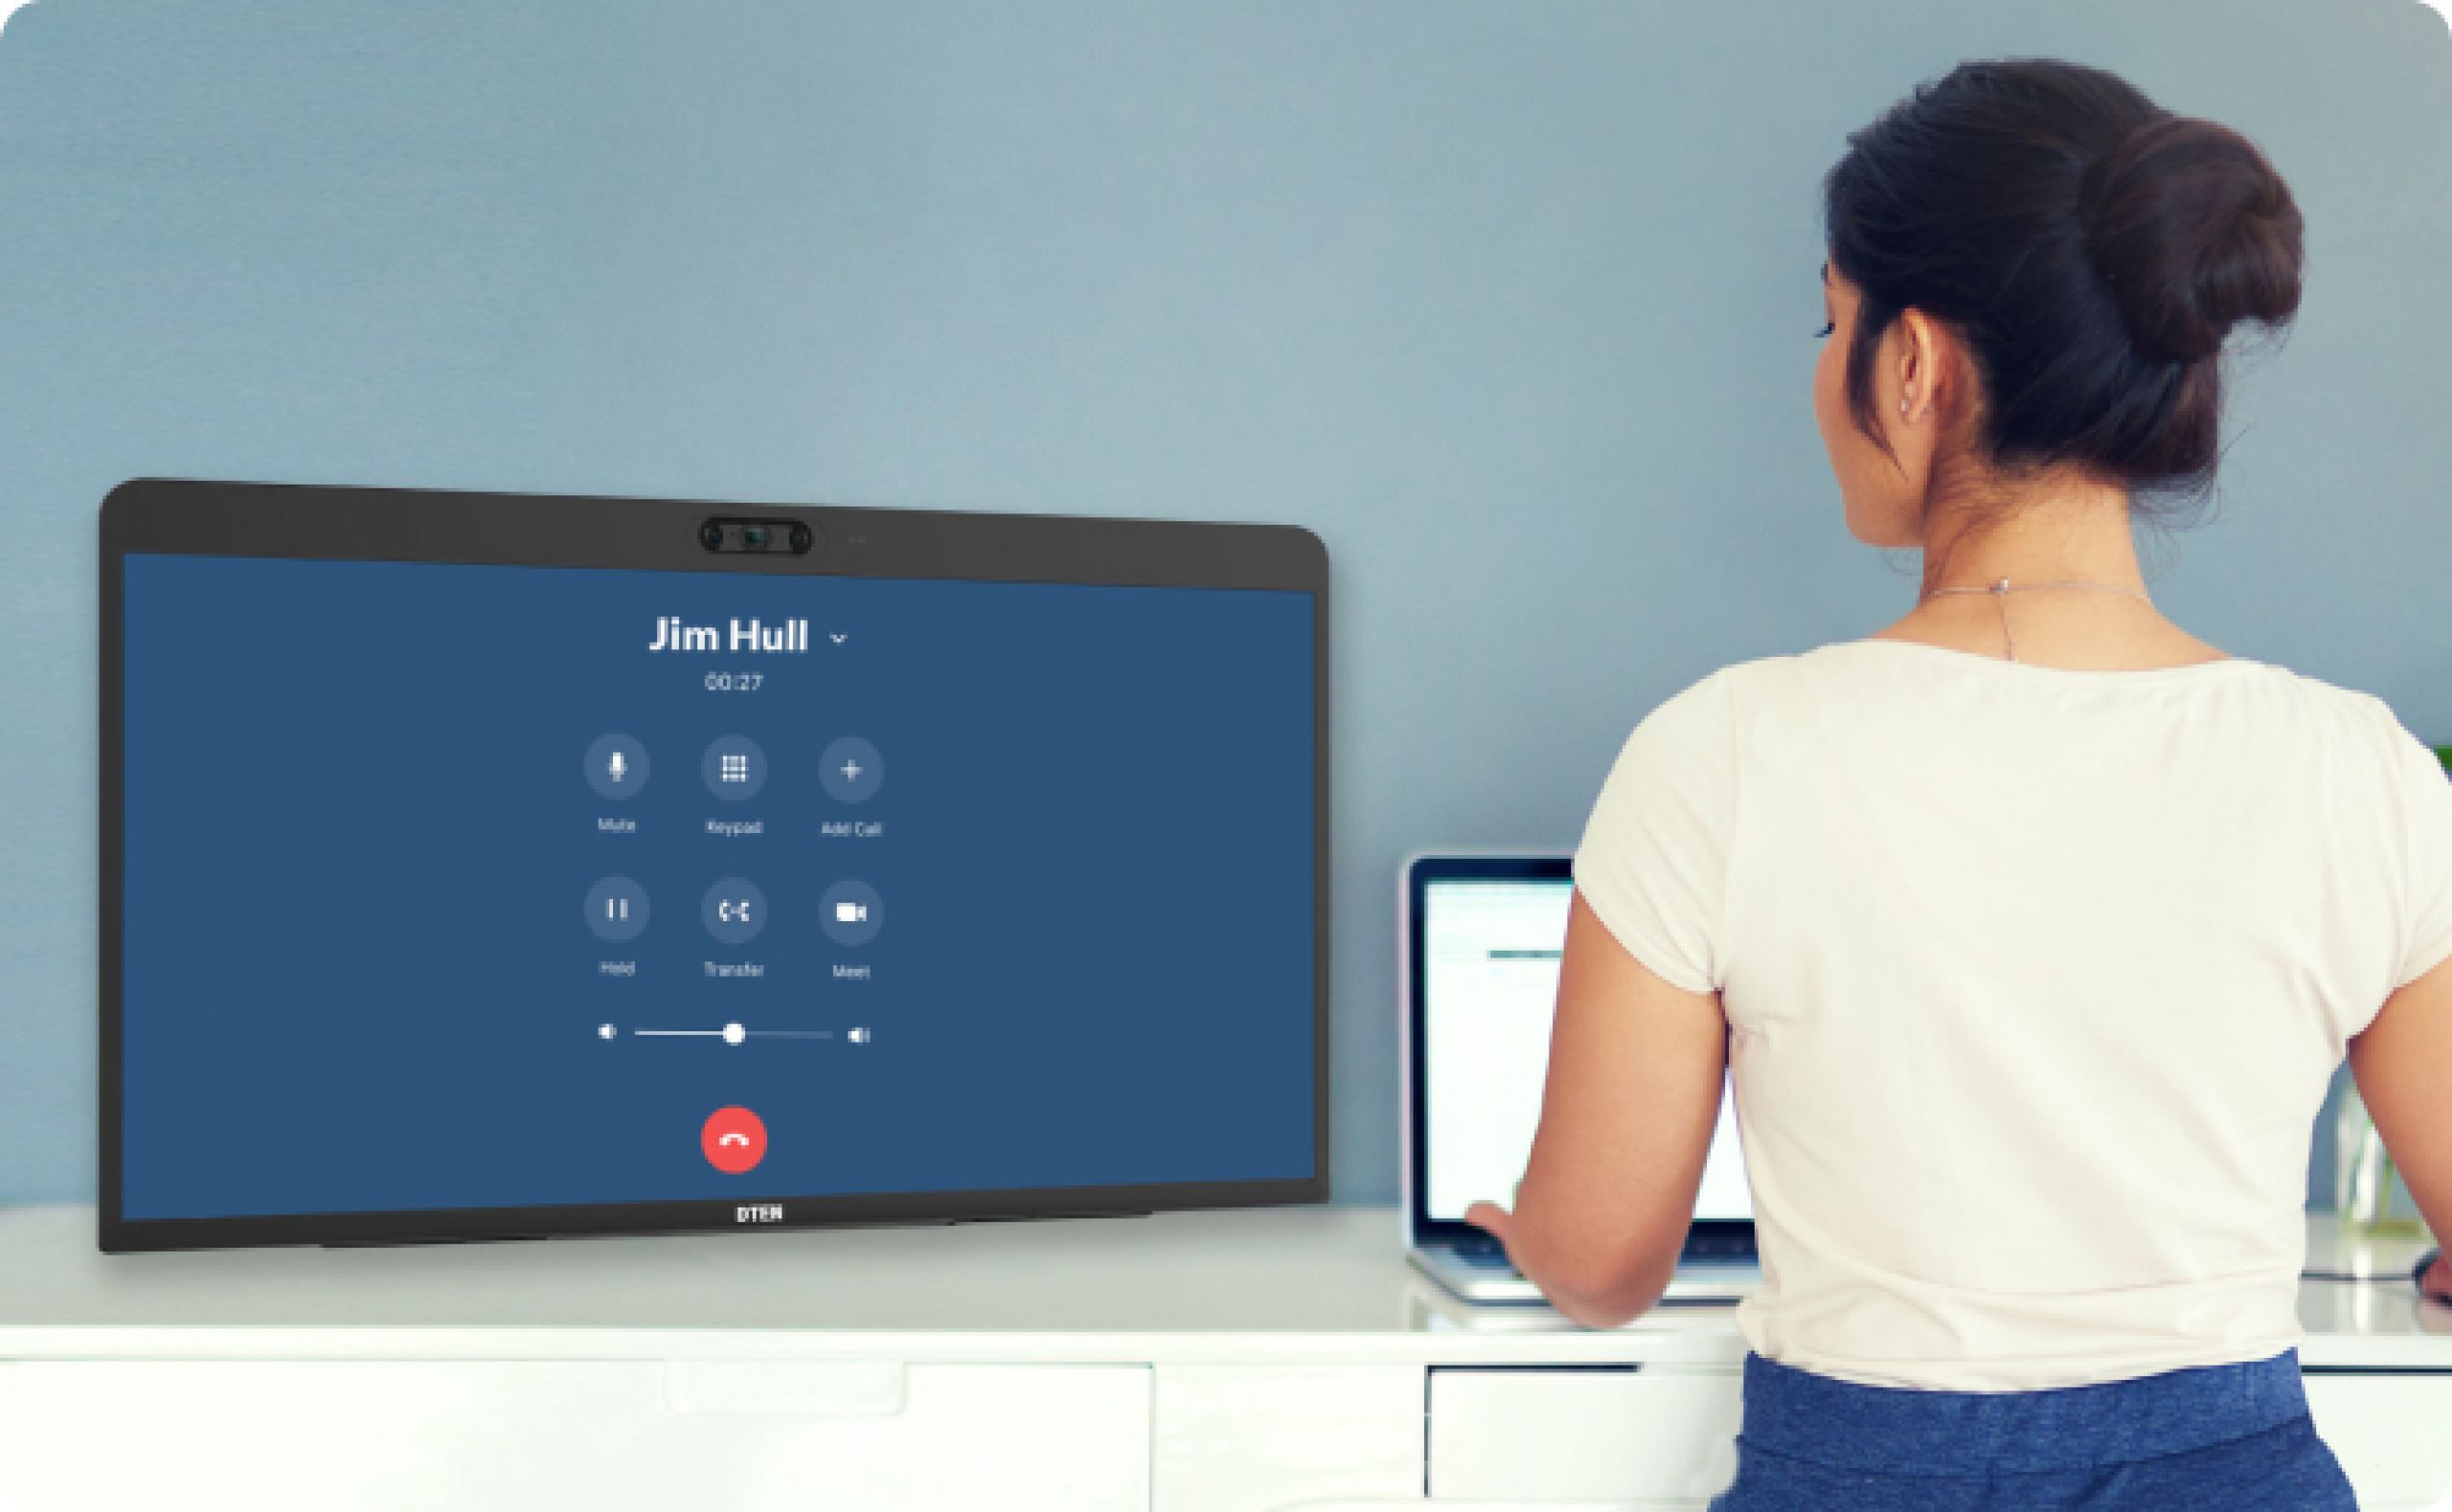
851	770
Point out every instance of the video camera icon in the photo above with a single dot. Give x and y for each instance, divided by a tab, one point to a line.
851	912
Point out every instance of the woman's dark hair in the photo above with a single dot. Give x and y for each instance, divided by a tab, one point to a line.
2091	250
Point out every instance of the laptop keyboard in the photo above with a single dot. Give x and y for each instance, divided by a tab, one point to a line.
1488	1253
1718	1247
1483	1253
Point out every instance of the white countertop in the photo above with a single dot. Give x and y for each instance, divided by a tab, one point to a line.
1251	1284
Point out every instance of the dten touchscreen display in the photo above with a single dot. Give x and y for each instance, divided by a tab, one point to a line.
453	886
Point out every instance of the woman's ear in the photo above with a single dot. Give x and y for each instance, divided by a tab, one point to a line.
1914	389
1919	364
1938	371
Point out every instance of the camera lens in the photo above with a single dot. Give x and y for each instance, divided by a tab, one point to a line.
710	536
754	536
800	538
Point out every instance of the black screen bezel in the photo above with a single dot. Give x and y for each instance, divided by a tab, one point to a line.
1421	874
215	518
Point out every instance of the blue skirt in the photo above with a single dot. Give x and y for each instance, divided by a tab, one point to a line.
2236	1437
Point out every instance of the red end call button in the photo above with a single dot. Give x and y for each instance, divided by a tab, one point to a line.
734	1140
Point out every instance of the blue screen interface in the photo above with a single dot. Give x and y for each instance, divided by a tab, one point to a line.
481	887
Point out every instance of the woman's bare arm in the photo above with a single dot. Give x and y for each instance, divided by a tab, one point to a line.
2404	1063
1633	1095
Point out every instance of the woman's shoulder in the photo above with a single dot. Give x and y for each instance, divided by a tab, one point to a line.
1858	668
2353	708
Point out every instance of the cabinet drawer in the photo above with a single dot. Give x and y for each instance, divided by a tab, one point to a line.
1596	1435
270	1435
1241	1437
2388	1431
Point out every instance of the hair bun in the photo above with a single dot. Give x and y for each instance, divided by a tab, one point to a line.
2192	232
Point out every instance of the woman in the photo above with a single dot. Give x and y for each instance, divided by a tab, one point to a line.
2030	929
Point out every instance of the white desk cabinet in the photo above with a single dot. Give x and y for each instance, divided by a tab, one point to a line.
597	1434
1243	1362
1665	1434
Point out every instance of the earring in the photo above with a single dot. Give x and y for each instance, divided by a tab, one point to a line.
1902	406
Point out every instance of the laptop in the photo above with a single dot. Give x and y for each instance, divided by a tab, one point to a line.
1479	938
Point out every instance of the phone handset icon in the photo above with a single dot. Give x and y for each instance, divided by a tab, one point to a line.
732	1139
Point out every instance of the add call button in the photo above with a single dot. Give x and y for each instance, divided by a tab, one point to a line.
734	1139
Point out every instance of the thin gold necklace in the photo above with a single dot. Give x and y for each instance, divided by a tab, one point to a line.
2000	591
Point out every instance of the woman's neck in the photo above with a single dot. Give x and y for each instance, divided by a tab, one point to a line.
2064	532
2058	532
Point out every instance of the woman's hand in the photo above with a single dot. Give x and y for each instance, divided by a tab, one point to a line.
1493	1220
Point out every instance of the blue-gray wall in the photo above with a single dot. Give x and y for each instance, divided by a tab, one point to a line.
1512	303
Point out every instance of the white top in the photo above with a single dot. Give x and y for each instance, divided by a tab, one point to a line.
2035	982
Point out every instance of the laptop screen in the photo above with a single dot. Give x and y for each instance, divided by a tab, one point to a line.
1489	982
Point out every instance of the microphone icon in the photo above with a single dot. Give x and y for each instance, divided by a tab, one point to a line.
617	766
